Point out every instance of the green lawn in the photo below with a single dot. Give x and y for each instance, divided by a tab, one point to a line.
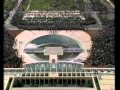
54	4
25	4
9	4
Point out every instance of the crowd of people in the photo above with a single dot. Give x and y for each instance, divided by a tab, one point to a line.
11	59
102	52
52	23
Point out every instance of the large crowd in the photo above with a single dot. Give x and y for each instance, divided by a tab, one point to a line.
102	53
52	23
11	59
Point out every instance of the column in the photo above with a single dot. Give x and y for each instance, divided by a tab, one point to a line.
44	68
56	66
86	82
35	82
57	81
76	82
39	82
67	82
50	67
44	82
80	82
30	81
62	82
25	81
66	67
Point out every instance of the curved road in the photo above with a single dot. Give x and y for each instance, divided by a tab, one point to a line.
88	8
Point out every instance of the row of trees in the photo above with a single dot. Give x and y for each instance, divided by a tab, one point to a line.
11	59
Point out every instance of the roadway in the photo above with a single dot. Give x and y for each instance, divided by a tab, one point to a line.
88	9
8	25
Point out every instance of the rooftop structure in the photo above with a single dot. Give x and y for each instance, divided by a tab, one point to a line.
86	79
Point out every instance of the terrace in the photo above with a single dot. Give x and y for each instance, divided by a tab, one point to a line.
53	14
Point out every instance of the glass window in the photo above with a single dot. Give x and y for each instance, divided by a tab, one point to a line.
23	81
46	81
64	82
37	81
41	82
37	68
78	82
69	81
42	67
77	68
64	67
73	82
27	81
59	67
47	69
69	67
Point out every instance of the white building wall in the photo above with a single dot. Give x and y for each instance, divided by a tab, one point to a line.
53	88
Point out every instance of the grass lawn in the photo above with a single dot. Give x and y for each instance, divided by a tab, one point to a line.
54	4
25	4
8	4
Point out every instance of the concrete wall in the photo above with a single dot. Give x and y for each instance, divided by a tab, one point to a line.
54	88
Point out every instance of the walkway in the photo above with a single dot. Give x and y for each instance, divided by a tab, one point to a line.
8	24
92	13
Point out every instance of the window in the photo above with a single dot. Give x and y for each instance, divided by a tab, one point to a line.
60	74
69	74
23	81
73	74
78	74
46	74
64	74
27	81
